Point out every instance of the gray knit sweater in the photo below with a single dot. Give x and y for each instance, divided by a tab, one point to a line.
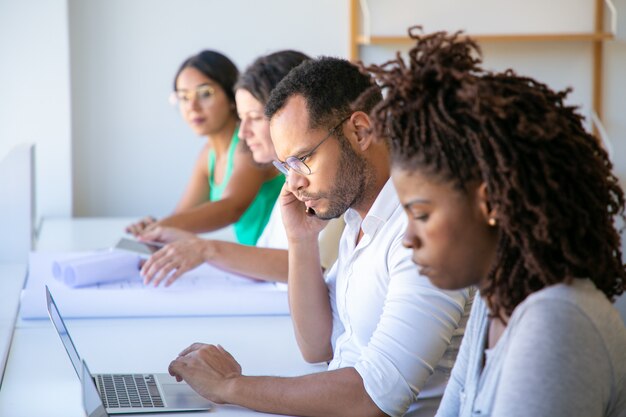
563	353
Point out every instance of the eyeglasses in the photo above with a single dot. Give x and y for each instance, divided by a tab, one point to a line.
202	93
297	163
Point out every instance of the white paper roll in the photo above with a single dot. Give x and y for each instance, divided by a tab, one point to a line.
96	268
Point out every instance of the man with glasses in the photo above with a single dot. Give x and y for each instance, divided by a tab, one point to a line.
384	330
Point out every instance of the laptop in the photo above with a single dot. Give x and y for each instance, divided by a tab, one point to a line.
129	393
92	403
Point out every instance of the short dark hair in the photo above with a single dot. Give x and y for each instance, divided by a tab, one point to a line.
215	66
329	86
265	73
549	181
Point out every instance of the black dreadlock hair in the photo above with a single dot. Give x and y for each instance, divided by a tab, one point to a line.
549	181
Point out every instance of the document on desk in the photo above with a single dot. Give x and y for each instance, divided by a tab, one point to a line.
204	291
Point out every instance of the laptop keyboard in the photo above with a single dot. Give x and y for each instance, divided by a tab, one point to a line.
129	391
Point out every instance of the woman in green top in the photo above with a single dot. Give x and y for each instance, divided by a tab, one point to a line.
253	221
226	186
268	260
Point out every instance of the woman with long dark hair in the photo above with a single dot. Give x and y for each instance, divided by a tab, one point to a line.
225	187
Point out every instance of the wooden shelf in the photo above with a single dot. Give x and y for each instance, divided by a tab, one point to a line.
519	37
597	38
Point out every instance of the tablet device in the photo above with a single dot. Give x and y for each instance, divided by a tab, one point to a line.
137	246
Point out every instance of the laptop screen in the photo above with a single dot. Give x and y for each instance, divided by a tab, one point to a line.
53	311
92	403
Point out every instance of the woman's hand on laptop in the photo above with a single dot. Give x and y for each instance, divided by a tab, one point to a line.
174	259
208	369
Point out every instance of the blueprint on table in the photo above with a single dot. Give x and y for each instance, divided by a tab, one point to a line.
204	291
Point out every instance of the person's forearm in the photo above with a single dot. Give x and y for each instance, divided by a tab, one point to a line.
309	301
258	263
334	393
206	217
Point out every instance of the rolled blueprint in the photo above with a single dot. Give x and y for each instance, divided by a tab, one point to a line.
96	268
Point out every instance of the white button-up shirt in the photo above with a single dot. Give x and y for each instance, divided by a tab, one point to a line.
390	323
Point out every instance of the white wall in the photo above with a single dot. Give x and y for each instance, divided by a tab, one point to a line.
34	94
392	17
121	150
133	151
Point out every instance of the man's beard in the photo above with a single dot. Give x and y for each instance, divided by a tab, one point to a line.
351	179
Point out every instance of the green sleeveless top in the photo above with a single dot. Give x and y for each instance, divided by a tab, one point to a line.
251	224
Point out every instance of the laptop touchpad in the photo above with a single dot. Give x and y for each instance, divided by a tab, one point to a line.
181	395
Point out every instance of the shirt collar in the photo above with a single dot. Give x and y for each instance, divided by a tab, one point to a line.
384	206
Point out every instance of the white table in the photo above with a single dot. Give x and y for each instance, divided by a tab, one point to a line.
39	379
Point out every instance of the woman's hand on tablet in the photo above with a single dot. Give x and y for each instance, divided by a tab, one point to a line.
174	259
165	234
141	226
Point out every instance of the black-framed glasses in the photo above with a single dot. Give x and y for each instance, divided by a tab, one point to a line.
297	163
202	93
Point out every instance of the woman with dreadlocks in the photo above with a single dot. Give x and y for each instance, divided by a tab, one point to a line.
506	191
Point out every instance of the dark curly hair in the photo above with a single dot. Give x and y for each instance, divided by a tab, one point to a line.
549	181
329	86
215	66
265	73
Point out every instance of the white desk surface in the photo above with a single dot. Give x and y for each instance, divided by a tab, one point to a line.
39	379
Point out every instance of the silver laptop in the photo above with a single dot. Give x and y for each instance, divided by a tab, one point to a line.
129	393
92	403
